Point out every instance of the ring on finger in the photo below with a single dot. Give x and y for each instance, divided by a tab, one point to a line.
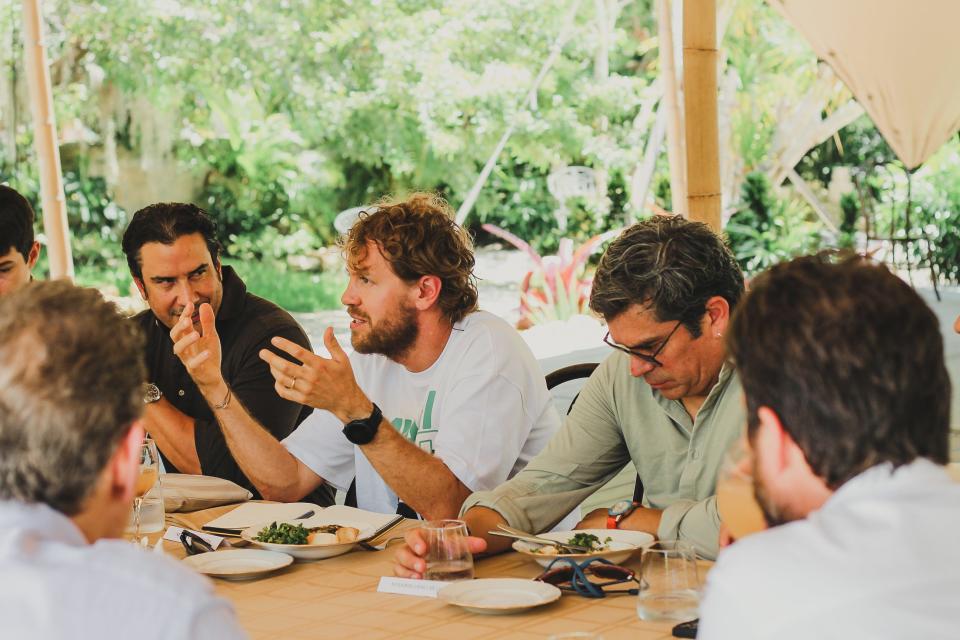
292	383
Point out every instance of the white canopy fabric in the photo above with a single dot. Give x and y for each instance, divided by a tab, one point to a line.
900	58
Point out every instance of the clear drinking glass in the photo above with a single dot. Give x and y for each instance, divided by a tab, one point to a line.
448	557
736	503
148	515
669	582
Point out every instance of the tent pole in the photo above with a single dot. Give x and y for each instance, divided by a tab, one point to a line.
678	167
52	198
700	106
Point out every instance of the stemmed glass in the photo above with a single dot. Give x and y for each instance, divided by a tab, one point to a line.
738	508
148	475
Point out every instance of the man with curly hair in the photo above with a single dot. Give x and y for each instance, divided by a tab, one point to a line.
437	400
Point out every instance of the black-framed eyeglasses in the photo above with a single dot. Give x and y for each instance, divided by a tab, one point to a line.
649	358
570	575
194	544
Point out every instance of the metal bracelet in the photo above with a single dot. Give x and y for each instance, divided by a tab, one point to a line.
226	400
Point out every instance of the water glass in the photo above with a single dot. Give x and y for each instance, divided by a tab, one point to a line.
448	557
669	583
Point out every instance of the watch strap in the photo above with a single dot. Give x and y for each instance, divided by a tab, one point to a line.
364	430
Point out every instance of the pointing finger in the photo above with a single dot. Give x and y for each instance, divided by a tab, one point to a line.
330	340
207	320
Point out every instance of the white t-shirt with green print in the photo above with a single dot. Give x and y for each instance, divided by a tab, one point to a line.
482	407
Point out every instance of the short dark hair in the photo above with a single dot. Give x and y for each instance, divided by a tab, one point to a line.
16	223
418	236
71	385
851	360
670	263
164	222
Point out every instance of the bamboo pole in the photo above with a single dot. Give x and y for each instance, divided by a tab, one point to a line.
700	110
52	198
668	70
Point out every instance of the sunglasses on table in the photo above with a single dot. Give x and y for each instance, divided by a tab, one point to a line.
194	544
570	575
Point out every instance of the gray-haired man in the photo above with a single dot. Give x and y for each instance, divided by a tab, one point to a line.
665	400
71	387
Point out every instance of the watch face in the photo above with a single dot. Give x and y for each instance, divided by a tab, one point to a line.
621	507
151	393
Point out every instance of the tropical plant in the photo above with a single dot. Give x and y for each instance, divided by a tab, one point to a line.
557	288
766	230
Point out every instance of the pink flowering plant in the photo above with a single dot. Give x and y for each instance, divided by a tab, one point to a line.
557	287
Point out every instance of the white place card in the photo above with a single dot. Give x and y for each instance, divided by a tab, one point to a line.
173	535
408	587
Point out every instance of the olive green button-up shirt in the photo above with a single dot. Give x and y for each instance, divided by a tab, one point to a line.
619	419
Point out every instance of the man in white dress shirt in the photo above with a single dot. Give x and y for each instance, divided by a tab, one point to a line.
437	401
71	389
848	405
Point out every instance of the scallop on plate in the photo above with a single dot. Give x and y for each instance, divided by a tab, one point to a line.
616	545
319	545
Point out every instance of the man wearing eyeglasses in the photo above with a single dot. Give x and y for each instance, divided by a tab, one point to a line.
665	400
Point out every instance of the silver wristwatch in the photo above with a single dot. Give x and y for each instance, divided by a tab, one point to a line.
151	393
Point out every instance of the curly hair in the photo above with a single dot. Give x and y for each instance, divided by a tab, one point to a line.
850	358
71	384
669	263
418	237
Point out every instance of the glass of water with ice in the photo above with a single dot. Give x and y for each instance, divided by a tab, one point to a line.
669	582
448	557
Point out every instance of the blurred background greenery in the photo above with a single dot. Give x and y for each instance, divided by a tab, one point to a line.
276	116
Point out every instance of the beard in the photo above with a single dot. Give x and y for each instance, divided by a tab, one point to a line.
392	337
773	514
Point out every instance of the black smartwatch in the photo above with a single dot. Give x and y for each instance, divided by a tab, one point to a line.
363	431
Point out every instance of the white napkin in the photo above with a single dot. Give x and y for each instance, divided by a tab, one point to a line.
186	492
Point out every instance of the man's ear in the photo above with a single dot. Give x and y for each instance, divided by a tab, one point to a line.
34	255
427	292
140	287
718	316
771	443
219	267
125	463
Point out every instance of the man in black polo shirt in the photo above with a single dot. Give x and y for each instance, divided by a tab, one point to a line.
174	258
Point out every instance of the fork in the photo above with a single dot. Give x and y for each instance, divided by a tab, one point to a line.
378	547
511	532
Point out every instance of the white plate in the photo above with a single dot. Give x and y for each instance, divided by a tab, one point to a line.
622	545
298	551
238	564
498	595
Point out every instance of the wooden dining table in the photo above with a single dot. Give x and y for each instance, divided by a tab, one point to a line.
338	598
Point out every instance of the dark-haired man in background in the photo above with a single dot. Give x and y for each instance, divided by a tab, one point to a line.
18	249
849	424
174	258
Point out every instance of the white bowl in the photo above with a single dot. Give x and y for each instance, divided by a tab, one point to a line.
623	544
299	551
